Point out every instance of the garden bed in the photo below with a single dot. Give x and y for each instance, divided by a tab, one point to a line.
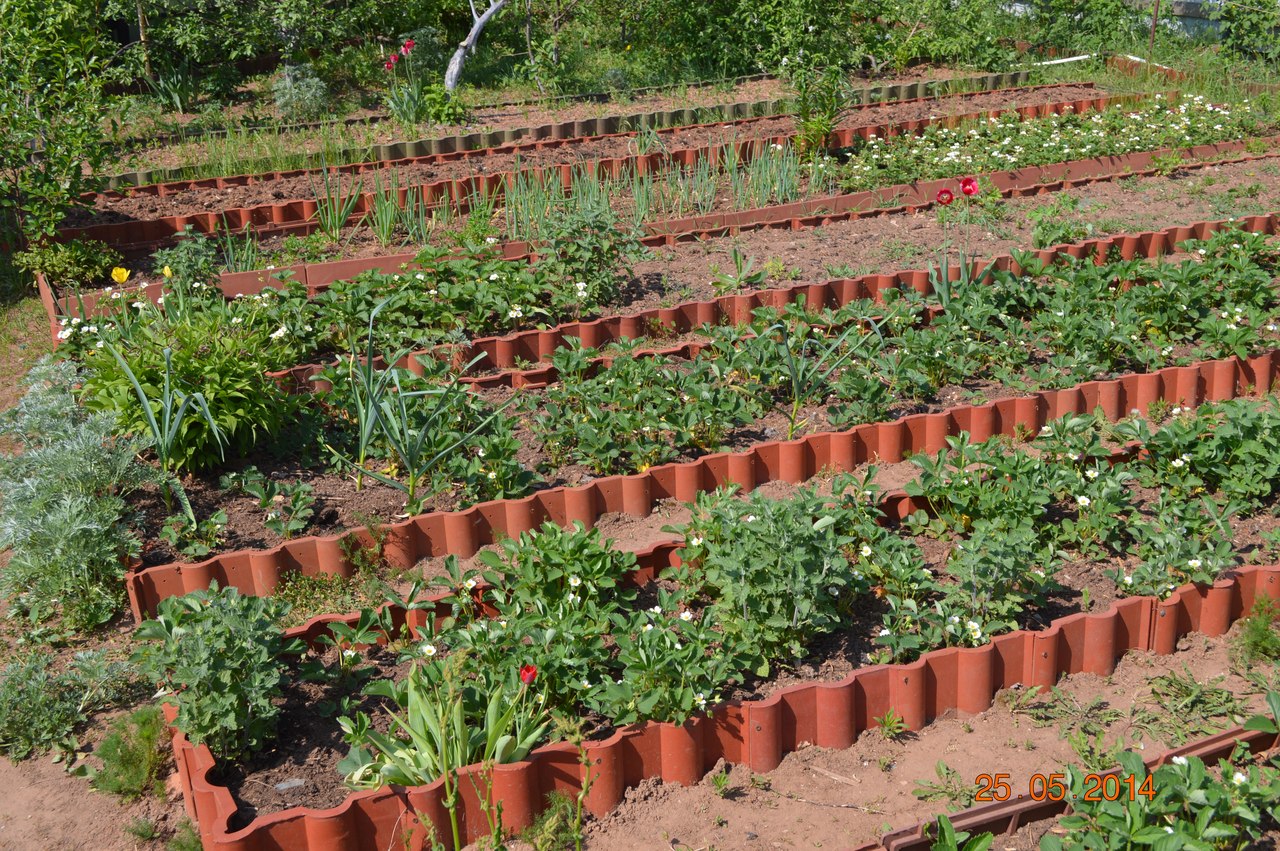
462	533
532	121
234	193
754	734
559	457
295	217
790	217
758	733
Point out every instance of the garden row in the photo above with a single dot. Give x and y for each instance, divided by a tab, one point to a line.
791	371
673	657
560	226
332	202
616	136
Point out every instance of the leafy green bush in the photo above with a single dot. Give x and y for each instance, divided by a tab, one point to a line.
224	360
220	657
51	77
133	754
64	508
40	709
776	572
1250	30
70	264
1182	804
587	256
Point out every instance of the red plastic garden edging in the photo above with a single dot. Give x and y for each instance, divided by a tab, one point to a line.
463	532
815	212
755	733
539	142
503	353
297	216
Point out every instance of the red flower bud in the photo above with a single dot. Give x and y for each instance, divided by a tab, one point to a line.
393	58
945	197
969	186
408	45
528	673
389	65
404	51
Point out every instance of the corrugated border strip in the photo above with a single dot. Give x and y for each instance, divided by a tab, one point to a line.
297	216
463	532
796	216
164	190
605	125
757	734
188	133
503	353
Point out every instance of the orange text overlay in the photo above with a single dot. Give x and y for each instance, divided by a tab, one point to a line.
1053	787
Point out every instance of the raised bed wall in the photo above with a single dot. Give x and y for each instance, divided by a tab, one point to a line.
607	125
297	216
754	733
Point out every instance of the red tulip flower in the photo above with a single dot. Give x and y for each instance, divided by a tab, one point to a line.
393	58
404	51
969	186
389	65
945	197
528	673
408	45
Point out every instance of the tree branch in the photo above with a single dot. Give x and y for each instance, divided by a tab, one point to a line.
453	74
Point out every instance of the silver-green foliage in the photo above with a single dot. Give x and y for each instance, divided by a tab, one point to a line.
40	708
63	504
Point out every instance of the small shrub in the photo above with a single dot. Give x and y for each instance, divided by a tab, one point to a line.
69	264
185	838
300	94
40	709
143	829
588	256
132	754
64	511
225	361
1259	636
220	657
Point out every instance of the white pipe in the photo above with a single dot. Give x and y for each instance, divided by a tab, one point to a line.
1145	62
1080	58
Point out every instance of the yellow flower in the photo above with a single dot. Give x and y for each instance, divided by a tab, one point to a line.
119	275
167	272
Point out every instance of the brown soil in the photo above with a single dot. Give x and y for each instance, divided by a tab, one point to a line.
894	241
301	767
910	241
824	798
46	809
530	115
141	206
339	506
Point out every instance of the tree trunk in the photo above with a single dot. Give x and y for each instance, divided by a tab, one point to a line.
453	73
145	39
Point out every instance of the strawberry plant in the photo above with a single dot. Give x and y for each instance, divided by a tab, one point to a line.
774	572
220	657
